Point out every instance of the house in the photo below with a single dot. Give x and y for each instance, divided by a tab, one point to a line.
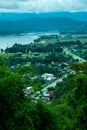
28	91
46	97
48	76
51	92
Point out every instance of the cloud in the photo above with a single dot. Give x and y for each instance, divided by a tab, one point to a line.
42	5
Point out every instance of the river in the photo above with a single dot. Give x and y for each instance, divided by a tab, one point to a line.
23	38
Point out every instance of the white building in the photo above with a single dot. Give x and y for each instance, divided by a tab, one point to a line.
28	90
48	76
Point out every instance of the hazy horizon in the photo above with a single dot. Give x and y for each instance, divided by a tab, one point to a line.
39	6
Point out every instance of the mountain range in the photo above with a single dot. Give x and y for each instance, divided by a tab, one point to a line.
32	22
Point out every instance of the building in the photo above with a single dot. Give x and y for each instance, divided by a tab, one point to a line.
28	91
48	76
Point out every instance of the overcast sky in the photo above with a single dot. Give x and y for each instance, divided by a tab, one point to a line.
42	5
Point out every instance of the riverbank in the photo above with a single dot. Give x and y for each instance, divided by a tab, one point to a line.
22	38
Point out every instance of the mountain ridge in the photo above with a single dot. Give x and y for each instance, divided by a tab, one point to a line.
32	24
81	16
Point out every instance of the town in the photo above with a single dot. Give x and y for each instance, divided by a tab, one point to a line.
46	62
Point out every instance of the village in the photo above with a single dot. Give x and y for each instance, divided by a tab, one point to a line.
45	63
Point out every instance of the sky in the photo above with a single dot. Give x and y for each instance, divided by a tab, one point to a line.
37	6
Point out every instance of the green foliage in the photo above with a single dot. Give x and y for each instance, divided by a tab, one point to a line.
77	99
16	59
80	68
3	60
26	70
37	47
64	88
72	108
18	112
47	117
66	117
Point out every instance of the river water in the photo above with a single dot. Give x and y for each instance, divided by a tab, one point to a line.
9	40
26	38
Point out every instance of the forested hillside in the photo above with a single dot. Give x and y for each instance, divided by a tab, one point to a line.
35	24
19	112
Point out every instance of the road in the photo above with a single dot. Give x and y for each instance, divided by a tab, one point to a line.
74	56
53	84
61	79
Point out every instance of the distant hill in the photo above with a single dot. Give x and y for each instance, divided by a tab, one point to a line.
20	23
80	16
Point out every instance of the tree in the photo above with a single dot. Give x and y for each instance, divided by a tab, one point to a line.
80	67
48	118
66	117
77	99
11	96
3	60
26	70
